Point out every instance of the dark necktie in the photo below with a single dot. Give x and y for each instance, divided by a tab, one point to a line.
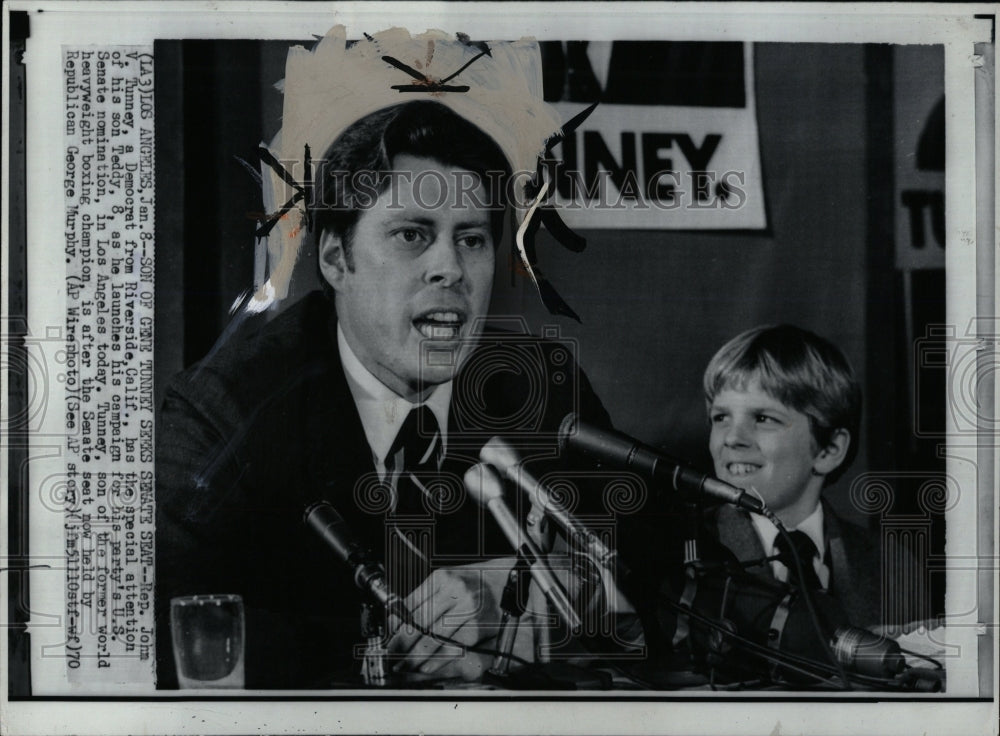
408	548
807	554
419	438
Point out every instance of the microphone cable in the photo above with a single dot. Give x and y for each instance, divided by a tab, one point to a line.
465	648
807	594
788	660
821	672
925	657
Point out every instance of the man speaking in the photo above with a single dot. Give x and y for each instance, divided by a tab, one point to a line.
377	393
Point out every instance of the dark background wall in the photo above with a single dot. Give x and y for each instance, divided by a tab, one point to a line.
655	304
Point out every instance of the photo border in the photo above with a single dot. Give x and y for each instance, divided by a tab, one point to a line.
971	283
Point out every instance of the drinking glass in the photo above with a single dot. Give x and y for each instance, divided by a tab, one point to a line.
208	637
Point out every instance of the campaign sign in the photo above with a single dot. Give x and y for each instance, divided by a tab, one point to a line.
667	146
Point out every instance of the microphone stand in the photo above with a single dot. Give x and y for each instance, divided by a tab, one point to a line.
692	559
513	605
373	664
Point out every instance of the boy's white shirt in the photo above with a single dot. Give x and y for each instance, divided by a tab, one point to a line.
812	525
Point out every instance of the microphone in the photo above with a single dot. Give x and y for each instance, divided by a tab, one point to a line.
505	459
623	451
369	575
854	649
484	486
866	653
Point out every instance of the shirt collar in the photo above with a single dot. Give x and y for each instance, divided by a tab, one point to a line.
812	525
382	410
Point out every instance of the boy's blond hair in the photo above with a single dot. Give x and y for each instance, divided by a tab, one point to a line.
801	370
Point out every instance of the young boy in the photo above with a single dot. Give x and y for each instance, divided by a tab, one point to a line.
785	410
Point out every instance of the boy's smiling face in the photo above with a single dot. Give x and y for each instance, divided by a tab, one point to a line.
758	441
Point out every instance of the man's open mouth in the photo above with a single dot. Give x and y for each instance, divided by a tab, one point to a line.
440	325
738	469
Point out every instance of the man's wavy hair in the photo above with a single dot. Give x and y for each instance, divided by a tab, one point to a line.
356	168
801	370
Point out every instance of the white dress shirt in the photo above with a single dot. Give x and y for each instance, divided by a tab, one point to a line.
812	525
383	411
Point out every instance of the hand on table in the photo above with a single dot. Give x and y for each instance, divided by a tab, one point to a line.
462	604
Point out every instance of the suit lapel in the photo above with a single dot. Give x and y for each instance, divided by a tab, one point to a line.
854	586
736	532
341	465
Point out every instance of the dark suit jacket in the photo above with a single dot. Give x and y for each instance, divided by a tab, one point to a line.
853	554
266	425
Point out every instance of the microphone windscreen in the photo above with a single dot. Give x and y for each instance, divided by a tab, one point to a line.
500	455
483	484
324	519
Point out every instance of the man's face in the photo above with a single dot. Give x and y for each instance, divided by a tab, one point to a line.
422	274
758	441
